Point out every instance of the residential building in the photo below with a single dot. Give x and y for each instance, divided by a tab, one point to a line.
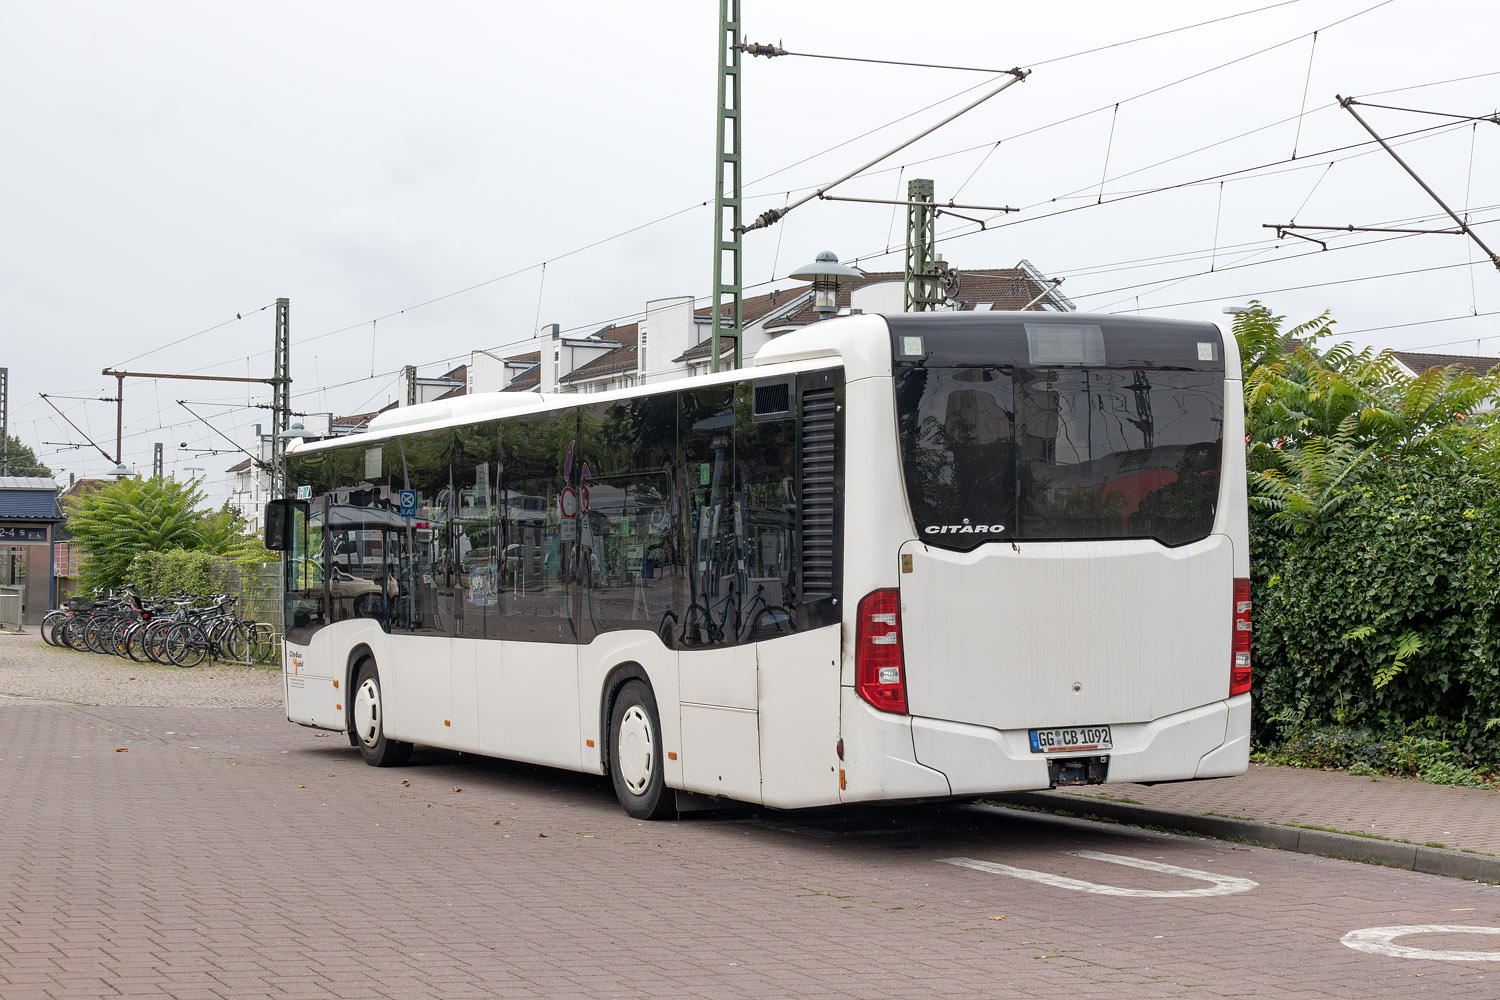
1419	363
674	338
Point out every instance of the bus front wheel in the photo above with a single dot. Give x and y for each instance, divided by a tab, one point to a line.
369	722
635	753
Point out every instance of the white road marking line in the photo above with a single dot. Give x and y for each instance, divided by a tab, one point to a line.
1381	941
1223	885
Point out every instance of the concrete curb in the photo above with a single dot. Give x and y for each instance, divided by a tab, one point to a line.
1414	857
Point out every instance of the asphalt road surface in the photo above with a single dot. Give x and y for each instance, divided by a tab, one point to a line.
225	853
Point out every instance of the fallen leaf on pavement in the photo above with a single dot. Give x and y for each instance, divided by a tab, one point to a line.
541	835
122	749
997	918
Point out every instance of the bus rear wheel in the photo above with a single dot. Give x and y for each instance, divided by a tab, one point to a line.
635	753
369	722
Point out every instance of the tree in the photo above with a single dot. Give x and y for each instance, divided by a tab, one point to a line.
1374	539
22	461
1316	419
116	523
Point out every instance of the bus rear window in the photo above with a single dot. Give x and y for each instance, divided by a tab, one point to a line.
1015	450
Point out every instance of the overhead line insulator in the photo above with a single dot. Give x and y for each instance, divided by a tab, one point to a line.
759	49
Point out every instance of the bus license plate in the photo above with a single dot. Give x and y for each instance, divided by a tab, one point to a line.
1074	740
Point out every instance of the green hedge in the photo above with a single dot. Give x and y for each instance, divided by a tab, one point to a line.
1385	615
165	574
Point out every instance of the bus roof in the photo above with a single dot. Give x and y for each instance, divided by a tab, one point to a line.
860	343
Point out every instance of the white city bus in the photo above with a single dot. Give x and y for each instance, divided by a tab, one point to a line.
920	556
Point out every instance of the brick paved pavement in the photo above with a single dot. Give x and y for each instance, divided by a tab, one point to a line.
31	668
203	853
1394	808
220	852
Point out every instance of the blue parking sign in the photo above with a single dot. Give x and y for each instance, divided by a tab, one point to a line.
408	503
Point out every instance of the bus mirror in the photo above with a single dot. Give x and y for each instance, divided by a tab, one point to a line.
281	517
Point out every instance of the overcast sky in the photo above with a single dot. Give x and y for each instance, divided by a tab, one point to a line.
170	165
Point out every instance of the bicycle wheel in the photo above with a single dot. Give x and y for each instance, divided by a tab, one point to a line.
156	641
186	645
135	642
50	622
235	643
73	631
93	634
114	637
263	645
59	636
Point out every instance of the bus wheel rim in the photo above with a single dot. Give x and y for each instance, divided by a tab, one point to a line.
367	712
637	753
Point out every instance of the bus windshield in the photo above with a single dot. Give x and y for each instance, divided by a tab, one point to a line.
1048	429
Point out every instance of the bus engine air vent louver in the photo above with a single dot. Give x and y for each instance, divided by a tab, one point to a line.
773	400
818	493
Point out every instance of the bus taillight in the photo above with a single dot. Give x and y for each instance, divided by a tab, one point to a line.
878	669
1239	667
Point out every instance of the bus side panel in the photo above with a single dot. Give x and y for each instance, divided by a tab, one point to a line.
799	719
463	673
720	732
489	696
539	713
313	673
598	660
721	755
416	685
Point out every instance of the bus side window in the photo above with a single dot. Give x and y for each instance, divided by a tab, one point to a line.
630	546
535	568
765	477
706	436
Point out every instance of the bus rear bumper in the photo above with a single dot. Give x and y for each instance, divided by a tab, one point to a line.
1209	741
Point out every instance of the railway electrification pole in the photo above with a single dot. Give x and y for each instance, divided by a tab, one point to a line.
728	241
280	383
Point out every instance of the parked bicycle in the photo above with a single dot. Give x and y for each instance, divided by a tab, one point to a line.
169	632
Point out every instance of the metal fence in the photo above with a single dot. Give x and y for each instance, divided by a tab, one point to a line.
258	586
10	607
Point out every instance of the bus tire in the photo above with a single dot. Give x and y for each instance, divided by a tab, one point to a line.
635	753
369	722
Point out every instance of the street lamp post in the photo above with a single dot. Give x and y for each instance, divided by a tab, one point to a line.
825	273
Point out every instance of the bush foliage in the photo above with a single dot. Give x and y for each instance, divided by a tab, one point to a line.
1375	544
115	524
197	574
